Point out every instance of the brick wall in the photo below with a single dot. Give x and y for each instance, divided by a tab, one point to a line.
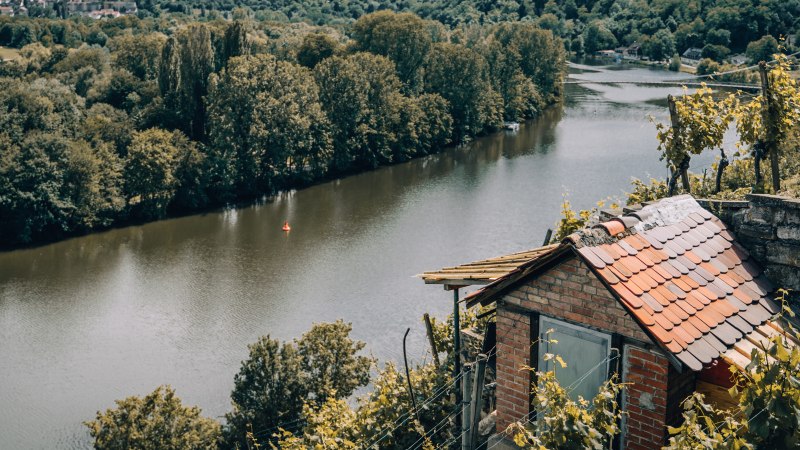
568	291
513	353
645	398
571	292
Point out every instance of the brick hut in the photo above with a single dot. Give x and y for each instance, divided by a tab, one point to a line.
663	296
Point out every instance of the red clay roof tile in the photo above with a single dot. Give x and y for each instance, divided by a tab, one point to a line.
686	261
654	304
696	301
686	281
627	247
692	256
690	361
613	227
628	296
728	280
675	308
591	257
608	275
710	269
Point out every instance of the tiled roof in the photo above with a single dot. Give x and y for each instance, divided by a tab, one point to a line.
486	270
681	274
685	279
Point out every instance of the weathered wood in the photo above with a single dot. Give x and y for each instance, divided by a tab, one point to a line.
431	339
769	123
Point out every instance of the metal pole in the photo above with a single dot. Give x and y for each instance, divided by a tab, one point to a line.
456	350
466	420
477	398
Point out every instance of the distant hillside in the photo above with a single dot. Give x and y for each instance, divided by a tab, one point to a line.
663	27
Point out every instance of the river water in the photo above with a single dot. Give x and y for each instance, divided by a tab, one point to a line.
93	319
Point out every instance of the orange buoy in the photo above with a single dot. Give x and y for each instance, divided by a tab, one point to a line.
286	226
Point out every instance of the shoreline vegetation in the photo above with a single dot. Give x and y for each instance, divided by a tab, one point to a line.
137	125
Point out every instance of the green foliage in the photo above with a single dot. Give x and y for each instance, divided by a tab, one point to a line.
186	63
762	49
266	126
402	87
702	429
403	38
675	63
660	46
329	361
157	421
572	221
151	168
383	418
269	390
566	424
277	380
315	48
459	75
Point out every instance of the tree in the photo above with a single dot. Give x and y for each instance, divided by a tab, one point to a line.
315	48
403	38
597	37
329	361
359	93
459	75
699	123
660	46
186	63
150	168
267	126
157	421
234	42
715	52
766	121
269	391
139	54
276	381
762	49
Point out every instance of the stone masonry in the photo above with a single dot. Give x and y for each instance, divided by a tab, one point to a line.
770	230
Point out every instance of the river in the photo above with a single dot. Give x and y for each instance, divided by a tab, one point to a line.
97	318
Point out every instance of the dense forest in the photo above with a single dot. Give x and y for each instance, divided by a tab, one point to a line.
133	119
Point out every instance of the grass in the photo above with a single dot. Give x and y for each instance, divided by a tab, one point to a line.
8	53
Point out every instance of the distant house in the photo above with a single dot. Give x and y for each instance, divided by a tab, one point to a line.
633	51
693	53
6	11
104	13
738	60
664	296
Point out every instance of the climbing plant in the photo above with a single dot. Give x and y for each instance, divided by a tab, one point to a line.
765	122
699	122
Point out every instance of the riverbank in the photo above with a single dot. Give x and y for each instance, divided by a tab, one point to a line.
125	220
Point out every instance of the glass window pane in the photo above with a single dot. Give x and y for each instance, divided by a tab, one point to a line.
582	349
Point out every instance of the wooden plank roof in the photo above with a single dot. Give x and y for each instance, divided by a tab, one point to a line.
484	271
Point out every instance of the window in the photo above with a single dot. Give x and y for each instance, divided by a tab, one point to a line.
585	351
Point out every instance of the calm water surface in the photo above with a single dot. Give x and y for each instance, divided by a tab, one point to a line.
102	317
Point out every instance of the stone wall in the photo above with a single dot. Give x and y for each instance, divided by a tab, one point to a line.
768	226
